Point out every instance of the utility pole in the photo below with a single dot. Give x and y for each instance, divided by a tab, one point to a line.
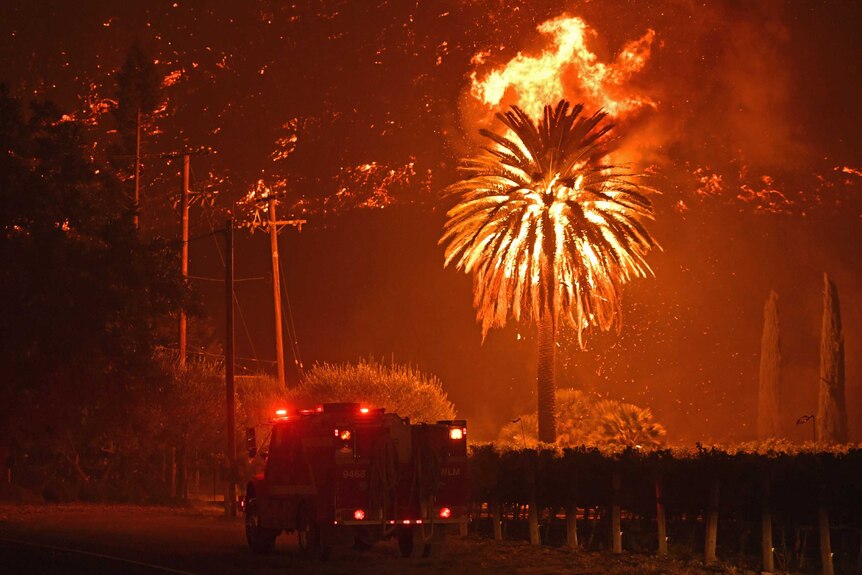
184	261
274	224
230	500
185	200
276	291
136	218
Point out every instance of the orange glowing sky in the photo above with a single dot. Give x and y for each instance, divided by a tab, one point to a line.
745	116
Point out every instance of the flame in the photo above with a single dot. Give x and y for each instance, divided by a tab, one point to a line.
172	78
372	185
567	68
285	144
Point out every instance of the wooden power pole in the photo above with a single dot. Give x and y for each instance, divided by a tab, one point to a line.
186	197
230	499
184	261
276	291
274	225
136	217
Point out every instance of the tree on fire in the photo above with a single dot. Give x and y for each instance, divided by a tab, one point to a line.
550	231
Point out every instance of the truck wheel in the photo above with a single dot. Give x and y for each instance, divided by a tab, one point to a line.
410	542
260	539
434	546
364	538
309	535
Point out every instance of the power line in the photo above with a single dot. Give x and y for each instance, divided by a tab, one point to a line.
235	298
291	327
220	356
221	280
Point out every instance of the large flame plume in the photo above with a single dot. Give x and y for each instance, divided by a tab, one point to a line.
567	68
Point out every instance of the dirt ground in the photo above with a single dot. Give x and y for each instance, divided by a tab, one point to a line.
201	540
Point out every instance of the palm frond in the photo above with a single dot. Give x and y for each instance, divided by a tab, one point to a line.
544	221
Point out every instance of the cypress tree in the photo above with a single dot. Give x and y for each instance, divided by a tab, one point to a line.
831	407
769	390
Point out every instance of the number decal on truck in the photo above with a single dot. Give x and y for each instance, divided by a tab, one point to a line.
353	474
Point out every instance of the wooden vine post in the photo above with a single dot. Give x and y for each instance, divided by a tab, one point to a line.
825	541
616	529
532	507
661	520
497	519
766	545
712	522
572	523
533	518
572	510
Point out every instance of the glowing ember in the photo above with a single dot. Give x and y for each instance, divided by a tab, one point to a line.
371	185
172	78
567	69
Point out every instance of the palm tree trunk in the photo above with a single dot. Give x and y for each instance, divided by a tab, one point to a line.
545	378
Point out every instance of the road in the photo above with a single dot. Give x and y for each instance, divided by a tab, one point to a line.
131	539
79	538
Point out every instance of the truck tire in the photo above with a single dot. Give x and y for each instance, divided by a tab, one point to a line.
309	535
434	546
364	539
260	539
414	543
409	542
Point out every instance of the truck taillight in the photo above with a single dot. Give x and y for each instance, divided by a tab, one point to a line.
345	440
359	514
363	410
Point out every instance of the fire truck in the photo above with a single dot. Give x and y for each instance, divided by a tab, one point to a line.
342	474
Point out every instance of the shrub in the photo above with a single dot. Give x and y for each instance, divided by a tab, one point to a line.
585	419
402	389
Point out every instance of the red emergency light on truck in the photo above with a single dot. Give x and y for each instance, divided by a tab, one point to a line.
343	474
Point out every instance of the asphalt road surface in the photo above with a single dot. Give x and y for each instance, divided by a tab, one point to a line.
130	539
78	538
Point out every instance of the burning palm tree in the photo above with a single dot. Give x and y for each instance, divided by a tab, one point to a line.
550	231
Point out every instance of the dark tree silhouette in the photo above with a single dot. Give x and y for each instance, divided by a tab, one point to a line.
769	390
137	97
80	293
831	407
